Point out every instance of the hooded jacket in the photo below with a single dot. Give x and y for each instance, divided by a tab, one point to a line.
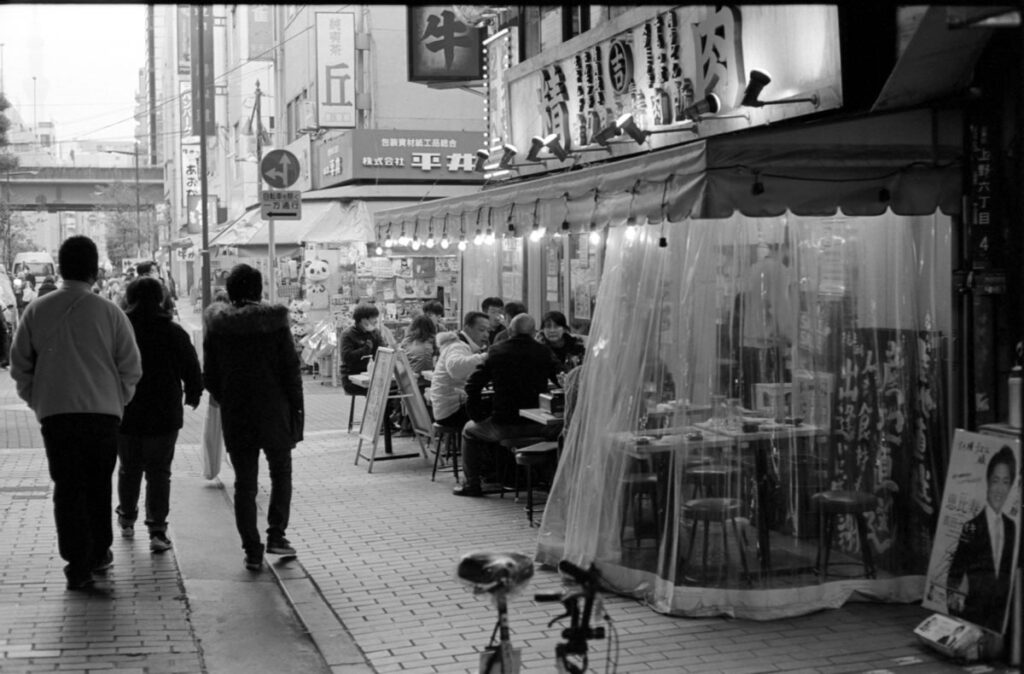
455	363
251	369
168	361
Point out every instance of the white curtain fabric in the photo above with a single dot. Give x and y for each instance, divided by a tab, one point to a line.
731	374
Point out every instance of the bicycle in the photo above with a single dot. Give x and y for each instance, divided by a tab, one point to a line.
503	574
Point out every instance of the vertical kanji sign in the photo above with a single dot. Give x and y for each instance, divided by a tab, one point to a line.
336	69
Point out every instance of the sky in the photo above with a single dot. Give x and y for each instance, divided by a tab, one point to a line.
86	61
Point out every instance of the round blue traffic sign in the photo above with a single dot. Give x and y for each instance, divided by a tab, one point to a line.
280	169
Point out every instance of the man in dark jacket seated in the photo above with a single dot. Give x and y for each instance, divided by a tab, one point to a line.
359	343
519	369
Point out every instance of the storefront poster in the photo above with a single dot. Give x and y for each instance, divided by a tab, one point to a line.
970	568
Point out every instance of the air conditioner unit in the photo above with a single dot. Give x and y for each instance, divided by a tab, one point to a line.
307	117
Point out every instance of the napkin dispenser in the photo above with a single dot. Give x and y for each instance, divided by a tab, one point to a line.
552	402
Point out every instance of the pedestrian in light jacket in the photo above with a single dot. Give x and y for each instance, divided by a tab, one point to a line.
149	428
76	364
251	370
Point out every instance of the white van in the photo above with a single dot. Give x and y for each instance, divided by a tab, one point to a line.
38	263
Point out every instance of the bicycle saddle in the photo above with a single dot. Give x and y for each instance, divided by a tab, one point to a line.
490	570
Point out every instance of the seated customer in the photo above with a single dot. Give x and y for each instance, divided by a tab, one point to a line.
567	347
434	310
420	348
519	369
494	307
359	343
460	355
512	309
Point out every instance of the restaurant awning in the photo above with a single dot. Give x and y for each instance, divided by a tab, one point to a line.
908	162
322	222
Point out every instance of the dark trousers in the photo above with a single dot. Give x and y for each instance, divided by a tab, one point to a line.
481	437
246	463
149	455
81	450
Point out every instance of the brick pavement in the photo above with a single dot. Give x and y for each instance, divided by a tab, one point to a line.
376	565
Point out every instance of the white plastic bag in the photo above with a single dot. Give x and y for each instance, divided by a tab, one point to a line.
213	442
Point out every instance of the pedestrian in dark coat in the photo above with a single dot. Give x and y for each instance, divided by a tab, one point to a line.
251	370
151	421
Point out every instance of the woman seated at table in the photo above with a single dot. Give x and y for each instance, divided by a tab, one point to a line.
359	343
567	347
419	346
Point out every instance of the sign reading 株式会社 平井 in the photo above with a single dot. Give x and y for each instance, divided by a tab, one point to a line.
976	540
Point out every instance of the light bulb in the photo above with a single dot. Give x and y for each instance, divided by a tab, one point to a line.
429	243
379	250
462	244
416	243
489	237
445	242
389	242
631	232
595	237
538	233
478	239
403	240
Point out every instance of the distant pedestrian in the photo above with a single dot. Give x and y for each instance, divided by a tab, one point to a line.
47	286
151	269
251	370
149	428
76	364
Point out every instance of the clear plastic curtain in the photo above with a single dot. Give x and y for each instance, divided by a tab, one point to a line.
735	369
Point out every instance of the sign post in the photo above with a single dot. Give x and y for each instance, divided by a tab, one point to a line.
280	169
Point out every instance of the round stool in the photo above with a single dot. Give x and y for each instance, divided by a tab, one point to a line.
721	510
529	457
833	504
449	445
710	479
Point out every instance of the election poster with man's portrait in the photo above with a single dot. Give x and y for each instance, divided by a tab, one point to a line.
976	542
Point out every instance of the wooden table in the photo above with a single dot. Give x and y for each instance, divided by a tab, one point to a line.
542	416
760	442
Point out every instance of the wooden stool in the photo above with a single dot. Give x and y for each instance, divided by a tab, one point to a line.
636	489
530	456
710	479
512	445
352	409
719	510
451	439
832	504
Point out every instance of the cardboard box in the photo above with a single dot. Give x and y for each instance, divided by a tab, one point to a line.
815	397
553	402
774	399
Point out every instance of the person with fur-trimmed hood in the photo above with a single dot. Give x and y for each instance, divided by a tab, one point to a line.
251	370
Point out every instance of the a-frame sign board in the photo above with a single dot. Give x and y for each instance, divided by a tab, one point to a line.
386	365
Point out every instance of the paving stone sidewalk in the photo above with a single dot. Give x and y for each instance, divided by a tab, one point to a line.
374	583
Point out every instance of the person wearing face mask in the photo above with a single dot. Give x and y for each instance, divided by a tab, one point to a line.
978	583
359	343
567	347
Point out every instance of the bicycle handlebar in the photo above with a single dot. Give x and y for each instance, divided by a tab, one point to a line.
584	578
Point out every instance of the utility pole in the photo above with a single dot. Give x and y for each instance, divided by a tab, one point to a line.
271	248
200	63
138	197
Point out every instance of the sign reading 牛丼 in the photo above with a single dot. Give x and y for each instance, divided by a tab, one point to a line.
281	204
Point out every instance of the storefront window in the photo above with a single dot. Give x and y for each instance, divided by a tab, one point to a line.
584	276
734	375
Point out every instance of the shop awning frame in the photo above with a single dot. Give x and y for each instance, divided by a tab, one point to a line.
908	162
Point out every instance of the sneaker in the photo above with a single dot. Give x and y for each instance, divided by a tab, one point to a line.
127	530
159	542
78	580
254	560
105	562
469	489
280	546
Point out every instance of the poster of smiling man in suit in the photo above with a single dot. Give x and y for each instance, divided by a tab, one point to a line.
975	549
